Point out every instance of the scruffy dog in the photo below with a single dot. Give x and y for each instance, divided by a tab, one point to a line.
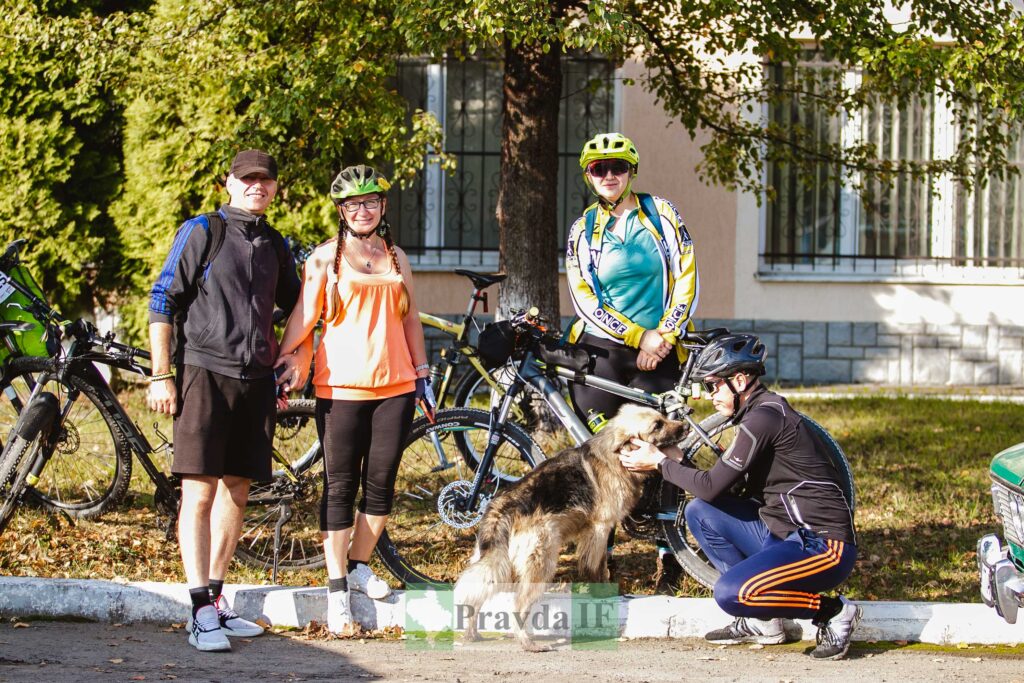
578	495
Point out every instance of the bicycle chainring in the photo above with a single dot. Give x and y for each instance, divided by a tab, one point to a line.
448	505
642	521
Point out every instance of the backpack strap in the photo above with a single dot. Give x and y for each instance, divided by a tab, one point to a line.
214	241
595	253
648	209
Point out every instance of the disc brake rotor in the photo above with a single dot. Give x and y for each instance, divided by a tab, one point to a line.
69	440
448	505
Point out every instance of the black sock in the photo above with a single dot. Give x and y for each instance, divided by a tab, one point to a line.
200	598
829	608
216	588
352	564
335	585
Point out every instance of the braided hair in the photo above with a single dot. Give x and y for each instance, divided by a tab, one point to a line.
332	303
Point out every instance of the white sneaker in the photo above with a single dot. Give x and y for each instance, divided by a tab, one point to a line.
363	579
205	633
834	636
744	630
233	625
339	619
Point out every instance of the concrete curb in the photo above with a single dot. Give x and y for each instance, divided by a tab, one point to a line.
639	617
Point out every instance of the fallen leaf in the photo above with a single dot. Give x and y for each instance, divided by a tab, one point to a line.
263	622
137	678
756	646
115	660
21	624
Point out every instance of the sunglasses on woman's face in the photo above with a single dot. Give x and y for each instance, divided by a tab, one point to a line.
599	169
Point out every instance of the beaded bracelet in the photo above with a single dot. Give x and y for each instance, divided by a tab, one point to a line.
422	366
162	376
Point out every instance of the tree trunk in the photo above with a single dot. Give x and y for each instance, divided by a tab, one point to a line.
528	187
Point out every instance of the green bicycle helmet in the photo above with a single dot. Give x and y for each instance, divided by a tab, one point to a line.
609	146
357	180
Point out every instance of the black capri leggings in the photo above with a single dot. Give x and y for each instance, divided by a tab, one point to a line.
362	443
618	363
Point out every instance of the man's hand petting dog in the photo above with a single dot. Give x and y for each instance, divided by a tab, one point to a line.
643	457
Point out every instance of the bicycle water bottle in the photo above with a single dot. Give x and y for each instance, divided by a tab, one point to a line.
596	421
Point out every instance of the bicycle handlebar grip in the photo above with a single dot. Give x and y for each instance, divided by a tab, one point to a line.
11	252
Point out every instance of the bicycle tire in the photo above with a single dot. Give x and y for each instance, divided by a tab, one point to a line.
674	500
301	543
90	469
530	411
418	545
19	453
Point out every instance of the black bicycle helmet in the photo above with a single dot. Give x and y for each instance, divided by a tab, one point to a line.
730	354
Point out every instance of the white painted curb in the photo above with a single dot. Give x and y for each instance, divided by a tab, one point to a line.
639	617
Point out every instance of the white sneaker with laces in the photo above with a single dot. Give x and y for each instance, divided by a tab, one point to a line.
834	635
233	625
745	630
205	633
339	619
363	579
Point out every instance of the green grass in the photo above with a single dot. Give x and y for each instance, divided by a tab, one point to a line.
920	466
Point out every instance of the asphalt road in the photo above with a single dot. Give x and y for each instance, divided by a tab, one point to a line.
82	652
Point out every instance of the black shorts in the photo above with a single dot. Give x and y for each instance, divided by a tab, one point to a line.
223	426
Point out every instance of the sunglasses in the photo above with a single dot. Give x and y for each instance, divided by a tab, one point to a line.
352	207
711	385
599	169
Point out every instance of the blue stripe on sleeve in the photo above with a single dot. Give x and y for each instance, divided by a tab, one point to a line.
159	300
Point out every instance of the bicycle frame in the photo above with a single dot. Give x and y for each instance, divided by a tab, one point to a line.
531	371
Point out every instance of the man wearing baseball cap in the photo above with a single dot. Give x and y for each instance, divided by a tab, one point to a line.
215	297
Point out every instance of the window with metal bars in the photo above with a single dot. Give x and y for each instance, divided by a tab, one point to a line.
450	219
831	222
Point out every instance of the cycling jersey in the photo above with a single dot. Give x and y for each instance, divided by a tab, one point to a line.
680	287
787	471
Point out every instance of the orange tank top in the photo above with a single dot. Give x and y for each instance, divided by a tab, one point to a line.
363	353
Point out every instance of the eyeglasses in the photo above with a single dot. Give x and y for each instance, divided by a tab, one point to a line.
369	204
600	168
711	385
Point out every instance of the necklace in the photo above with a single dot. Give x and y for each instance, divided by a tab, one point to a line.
369	260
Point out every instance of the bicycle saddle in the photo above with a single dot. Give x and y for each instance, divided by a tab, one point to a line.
704	336
482	280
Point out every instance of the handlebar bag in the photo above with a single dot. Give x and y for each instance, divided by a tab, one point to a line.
497	342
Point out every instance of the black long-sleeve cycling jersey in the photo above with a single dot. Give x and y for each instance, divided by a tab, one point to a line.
787	469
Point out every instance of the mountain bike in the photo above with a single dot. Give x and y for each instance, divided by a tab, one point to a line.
440	497
46	427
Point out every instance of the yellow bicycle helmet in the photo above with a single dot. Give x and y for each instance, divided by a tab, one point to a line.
357	180
609	146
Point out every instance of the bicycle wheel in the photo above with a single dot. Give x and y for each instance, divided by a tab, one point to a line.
529	411
20	452
427	540
291	498
674	500
91	465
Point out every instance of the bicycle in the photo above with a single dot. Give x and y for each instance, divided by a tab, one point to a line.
77	459
430	535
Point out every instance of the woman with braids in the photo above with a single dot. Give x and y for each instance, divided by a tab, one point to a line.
370	369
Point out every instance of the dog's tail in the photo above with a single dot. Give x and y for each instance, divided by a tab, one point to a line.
492	566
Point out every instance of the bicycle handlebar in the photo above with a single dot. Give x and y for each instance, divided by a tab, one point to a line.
84	331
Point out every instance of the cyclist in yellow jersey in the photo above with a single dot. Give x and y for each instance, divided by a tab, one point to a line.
632	278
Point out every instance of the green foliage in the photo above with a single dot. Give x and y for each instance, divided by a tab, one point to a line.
59	142
707	64
313	85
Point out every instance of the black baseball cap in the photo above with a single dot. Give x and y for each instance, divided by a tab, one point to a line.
253	161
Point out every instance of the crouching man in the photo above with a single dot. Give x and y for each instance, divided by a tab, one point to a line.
793	536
